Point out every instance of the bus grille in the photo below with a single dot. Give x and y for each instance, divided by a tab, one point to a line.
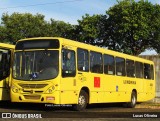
32	86
33	97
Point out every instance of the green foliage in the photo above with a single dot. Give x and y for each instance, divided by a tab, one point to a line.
23	25
18	26
89	29
59	28
155	27
3	35
131	26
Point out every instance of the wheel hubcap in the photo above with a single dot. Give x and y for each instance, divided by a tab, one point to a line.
134	100
82	100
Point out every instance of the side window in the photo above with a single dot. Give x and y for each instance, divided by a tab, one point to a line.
83	60
139	69
120	66
1	66
130	68
5	60
109	64
96	64
1	60
152	72
147	73
68	63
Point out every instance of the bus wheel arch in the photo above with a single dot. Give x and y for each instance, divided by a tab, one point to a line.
83	99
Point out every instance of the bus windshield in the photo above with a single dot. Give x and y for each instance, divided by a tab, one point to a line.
36	65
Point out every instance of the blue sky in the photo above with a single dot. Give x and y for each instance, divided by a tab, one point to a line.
65	10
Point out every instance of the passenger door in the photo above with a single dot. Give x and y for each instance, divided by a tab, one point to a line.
68	93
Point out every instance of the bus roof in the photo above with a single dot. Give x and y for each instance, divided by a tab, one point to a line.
92	48
4	45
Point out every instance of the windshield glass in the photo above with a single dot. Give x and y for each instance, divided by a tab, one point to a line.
36	65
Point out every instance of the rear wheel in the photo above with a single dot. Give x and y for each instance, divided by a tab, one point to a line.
82	101
133	101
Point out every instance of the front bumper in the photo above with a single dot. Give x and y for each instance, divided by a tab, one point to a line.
36	98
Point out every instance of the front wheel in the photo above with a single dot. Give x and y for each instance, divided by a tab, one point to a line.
82	101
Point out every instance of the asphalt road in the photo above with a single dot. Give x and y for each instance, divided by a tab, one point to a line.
100	112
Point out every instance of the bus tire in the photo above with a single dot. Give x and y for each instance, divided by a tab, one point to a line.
133	101
82	101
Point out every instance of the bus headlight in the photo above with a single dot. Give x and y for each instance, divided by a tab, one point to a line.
50	90
14	89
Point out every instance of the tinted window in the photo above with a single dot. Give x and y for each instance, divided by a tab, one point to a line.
5	60
68	63
120	66
130	68
109	64
96	62
152	72
139	70
36	65
147	71
83	60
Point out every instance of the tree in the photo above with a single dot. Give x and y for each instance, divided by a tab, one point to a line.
155	33
3	35
26	25
131	27
59	29
18	26
88	30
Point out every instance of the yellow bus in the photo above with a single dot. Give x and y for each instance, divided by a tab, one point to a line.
6	58
61	71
